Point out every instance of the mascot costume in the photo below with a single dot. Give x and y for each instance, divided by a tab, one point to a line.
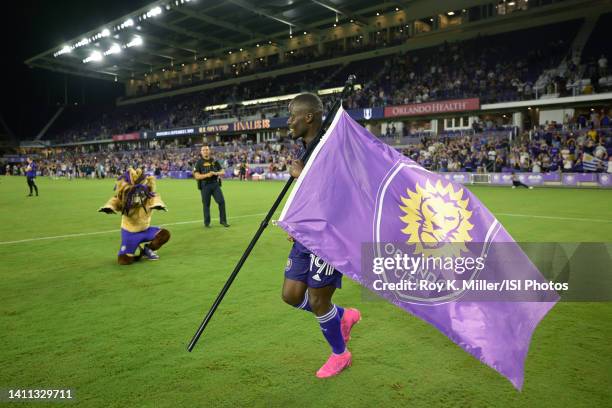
135	198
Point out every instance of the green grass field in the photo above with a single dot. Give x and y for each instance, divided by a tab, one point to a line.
70	317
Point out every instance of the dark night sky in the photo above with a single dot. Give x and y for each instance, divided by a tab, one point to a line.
29	27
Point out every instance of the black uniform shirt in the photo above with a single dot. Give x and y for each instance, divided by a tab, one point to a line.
206	166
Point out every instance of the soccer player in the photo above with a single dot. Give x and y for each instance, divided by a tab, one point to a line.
517	183
309	281
135	197
31	176
207	172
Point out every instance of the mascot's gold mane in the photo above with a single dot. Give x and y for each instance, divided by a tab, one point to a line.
133	189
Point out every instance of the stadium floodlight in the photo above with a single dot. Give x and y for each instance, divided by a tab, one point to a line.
81	43
114	49
128	23
94	56
451	13
268	100
136	41
104	33
215	107
65	50
154	12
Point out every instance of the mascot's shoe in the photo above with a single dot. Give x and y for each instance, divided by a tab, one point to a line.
349	319
150	254
335	364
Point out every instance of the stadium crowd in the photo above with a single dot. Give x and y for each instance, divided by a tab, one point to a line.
547	150
498	68
160	160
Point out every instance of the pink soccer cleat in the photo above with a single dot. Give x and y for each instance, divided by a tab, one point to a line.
335	364
349	318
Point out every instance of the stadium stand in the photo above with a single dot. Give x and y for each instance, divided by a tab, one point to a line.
505	66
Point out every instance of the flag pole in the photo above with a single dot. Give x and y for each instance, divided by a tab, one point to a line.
332	112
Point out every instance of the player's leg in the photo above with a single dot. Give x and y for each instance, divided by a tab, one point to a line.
328	315
29	180
296	273
220	200
330	322
335	321
35	186
295	294
206	203
321	303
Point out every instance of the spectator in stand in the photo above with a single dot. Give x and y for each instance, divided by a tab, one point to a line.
603	65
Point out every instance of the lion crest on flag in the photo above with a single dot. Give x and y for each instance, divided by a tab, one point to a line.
437	219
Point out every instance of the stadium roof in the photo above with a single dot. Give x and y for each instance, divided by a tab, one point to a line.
171	32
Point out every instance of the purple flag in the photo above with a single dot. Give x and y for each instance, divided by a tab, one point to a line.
424	243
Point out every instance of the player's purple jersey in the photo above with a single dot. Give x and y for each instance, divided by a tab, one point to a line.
32	172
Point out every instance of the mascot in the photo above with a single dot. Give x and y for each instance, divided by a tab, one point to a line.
135	198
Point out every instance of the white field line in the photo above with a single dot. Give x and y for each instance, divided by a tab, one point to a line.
544	217
84	234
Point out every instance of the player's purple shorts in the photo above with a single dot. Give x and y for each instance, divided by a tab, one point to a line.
304	266
131	240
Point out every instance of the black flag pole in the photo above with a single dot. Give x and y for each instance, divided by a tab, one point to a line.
309	149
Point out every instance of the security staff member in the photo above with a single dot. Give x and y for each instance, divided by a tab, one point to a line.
207	172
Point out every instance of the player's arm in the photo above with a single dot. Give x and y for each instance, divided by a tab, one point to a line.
296	168
111	207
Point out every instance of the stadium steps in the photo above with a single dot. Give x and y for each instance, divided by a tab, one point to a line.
332	80
584	33
49	123
575	52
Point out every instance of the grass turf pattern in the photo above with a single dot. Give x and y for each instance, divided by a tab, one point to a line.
70	317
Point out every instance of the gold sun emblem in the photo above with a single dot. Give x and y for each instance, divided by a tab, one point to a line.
437	220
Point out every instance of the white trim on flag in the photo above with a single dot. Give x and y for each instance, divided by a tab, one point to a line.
313	156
